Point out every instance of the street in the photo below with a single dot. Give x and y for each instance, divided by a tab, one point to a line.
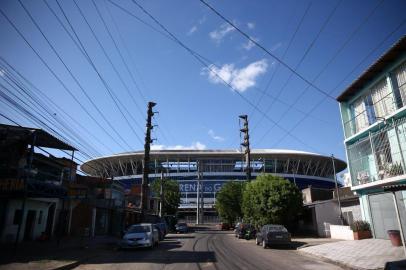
205	249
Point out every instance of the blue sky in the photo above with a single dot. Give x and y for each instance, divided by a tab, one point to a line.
196	109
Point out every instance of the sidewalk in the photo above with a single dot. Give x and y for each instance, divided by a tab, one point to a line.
48	255
362	254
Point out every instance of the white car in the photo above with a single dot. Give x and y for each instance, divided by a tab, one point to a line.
140	235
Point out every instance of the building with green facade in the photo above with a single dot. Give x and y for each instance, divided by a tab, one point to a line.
373	112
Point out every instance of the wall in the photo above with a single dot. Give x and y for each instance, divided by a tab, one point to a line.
341	232
327	212
10	230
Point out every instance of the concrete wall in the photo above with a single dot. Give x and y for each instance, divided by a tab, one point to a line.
9	233
327	212
341	232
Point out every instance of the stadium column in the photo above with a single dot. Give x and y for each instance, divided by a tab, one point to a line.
145	175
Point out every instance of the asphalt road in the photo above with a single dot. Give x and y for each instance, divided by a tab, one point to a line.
205	249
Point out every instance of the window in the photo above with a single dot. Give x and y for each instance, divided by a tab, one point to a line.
382	99
360	114
17	216
400	81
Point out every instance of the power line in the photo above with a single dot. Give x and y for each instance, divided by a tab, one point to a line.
292	38
110	92
267	51
352	35
57	77
346	77
121	57
41	105
208	67
308	49
9	67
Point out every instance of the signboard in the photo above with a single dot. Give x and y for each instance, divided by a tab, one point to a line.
206	186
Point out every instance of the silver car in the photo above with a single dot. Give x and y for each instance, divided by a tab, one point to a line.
140	235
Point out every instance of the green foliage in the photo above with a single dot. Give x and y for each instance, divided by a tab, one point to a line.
171	195
271	200
360	226
229	200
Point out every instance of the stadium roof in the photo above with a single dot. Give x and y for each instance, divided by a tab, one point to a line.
207	154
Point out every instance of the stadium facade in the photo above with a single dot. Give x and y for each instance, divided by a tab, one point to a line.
215	167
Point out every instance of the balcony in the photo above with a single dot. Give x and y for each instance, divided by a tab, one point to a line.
369	112
379	156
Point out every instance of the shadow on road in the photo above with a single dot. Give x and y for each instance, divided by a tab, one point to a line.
180	236
292	246
166	252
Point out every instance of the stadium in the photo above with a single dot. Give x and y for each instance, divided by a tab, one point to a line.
215	168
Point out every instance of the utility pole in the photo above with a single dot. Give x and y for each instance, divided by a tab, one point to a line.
201	199
337	191
147	148
198	194
246	145
161	195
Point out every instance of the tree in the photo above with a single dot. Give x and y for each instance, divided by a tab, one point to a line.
271	200
229	200
171	195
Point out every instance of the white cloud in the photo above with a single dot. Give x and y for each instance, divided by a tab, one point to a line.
240	79
276	46
214	136
192	30
194	146
202	20
249	45
218	34
251	25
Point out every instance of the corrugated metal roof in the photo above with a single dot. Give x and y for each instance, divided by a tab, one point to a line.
375	69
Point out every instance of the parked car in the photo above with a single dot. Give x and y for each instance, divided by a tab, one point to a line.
162	230
273	235
241	230
181	228
140	235
223	226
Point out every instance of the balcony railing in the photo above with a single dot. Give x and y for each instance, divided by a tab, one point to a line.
362	120
381	155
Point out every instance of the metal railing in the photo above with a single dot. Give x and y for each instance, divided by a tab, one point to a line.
380	155
383	107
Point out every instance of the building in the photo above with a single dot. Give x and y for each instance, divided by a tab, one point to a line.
373	112
215	167
31	184
321	209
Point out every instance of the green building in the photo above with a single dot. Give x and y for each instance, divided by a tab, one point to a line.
373	113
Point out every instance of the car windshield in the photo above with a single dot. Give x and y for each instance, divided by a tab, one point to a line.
277	228
139	229
182	224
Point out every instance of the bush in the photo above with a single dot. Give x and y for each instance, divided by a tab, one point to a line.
360	226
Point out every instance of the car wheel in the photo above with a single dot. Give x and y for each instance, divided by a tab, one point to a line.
263	244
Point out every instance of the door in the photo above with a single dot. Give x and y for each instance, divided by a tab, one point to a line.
383	214
29	225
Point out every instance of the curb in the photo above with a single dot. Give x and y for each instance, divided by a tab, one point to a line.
343	265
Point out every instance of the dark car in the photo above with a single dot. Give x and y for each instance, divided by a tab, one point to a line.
273	235
162	230
181	228
242	229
